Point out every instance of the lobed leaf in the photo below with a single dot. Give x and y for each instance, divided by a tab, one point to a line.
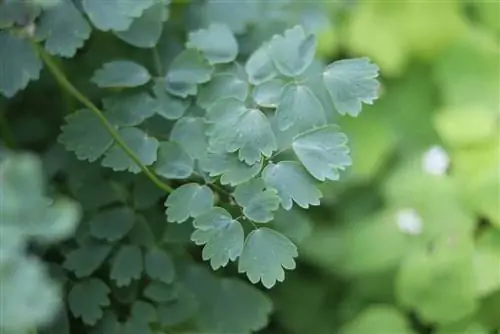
189	200
159	265
87	298
169	107
259	66
121	73
86	259
257	200
233	170
268	94
173	162
223	85
127	265
160	292
129	109
189	133
112	224
217	43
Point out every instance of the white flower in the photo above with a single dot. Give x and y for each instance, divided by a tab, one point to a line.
409	221
436	161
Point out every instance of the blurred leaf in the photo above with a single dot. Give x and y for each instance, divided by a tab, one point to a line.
378	319
87	298
159	265
126	265
217	43
223	85
86	259
487	262
259	66
112	224
160	292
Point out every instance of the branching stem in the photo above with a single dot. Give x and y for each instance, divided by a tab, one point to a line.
72	90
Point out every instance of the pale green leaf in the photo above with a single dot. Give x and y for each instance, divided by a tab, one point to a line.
233	128
63	28
112	224
159	265
189	132
257	200
145	31
114	14
217	43
19	64
169	107
87	298
323	152
189	200
260	67
127	265
129	109
181	89
236	15
160	292
350	83
86	259
299	107
223	85
173	162
222	236
233	170
265	254
292	183
269	93
85	135
144	146
293	52
378	320
121	73
187	69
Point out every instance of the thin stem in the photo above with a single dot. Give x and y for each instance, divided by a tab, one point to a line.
72	90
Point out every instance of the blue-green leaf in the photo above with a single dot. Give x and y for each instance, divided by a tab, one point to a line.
258	202
189	200
233	128
189	132
86	259
63	28
169	107
160	292
292	183
177	311
222	236
233	170
85	135
173	162
114	14
265	254
87	298
260	67
269	93
187	69
323	152
145	31
298	106
144	146
236	15
217	43
129	109
121	73
19	64
112	224
159	265
293	52
223	85
127	265
351	82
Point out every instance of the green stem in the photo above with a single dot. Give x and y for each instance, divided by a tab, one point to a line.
68	86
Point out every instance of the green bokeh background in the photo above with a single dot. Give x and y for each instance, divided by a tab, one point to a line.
359	272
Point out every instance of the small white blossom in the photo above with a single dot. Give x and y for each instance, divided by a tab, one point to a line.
436	161
409	221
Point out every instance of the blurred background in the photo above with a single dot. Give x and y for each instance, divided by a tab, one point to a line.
409	240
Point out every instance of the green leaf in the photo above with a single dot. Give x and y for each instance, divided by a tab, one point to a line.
19	63
144	312
298	106
178	311
87	298
170	107
112	224
487	262
351	82
121	73
223	85
63	28
127	265
86	259
141	234
160	292
189	200
189	132
173	162
292	223
292	183
159	265
85	135
222	236
217	43
144	146
236	15
265	254
323	152
145	31
269	93
257	200
108	324
187	69
233	170
233	128
114	14
129	109
293	52
260	67
378	320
